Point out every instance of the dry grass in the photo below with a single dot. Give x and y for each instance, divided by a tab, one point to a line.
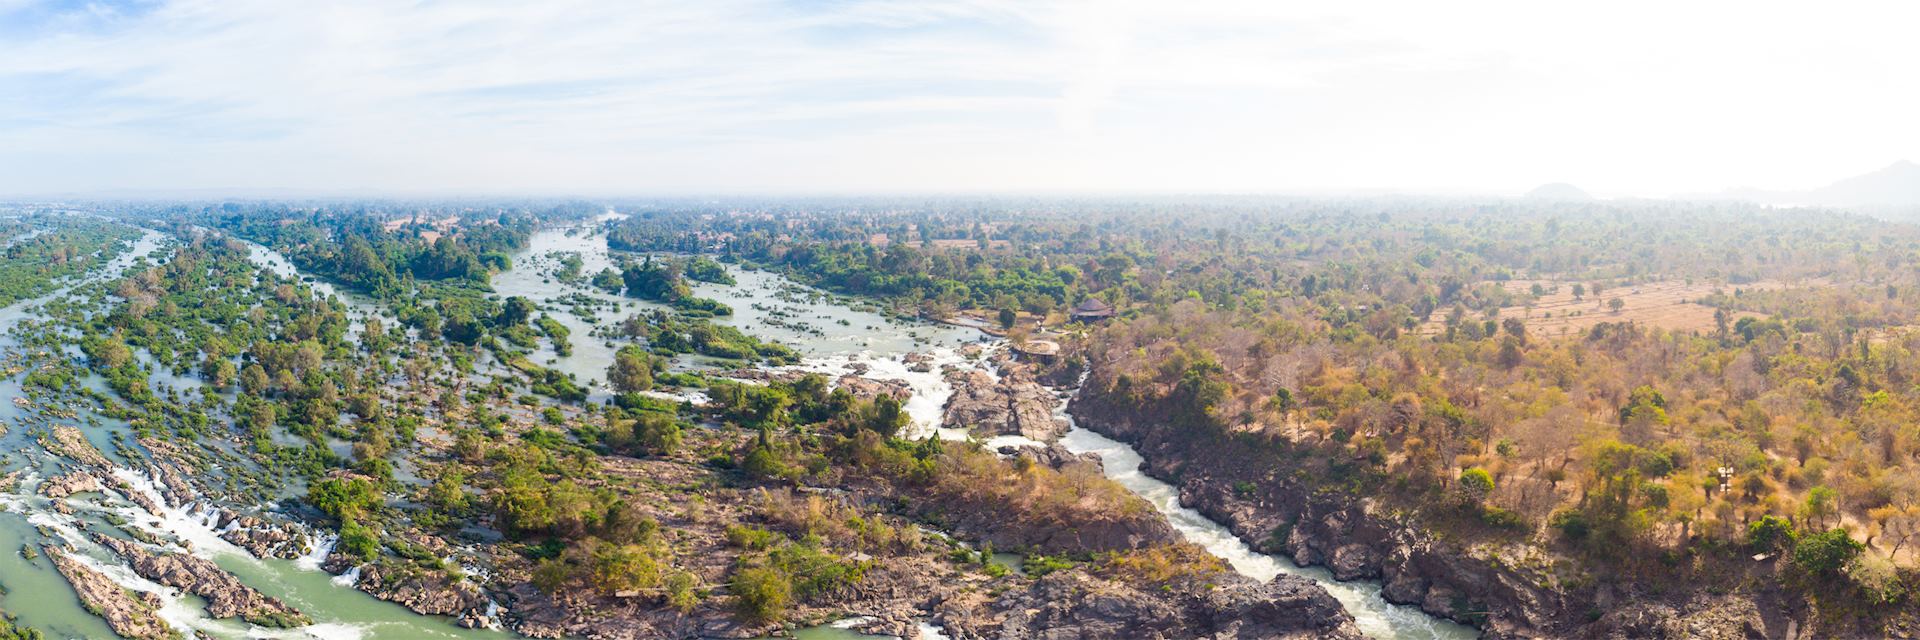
1667	304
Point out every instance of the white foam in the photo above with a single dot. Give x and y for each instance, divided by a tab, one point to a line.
926	407
311	560
194	525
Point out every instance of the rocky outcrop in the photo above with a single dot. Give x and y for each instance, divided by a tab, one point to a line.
226	596
1015	405
264	538
1129	527
427	591
130	615
68	442
861	387
868	388
1056	456
72	483
1066	605
1276	512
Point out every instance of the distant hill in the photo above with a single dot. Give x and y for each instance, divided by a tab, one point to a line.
1898	184
1558	191
1895	187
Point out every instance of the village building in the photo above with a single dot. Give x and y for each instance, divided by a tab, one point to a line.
1091	310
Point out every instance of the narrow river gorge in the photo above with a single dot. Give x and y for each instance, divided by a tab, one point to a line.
833	335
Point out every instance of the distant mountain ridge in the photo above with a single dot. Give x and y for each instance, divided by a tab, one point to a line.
1896	185
1899	183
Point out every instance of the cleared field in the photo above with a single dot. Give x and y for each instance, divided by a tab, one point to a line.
1667	304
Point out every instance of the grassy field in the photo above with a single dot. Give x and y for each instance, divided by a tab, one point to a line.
1666	304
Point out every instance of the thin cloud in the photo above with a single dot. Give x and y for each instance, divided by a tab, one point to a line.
637	96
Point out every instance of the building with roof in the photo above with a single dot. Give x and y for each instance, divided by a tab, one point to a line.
1091	310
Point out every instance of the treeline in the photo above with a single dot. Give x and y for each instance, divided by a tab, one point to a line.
1398	260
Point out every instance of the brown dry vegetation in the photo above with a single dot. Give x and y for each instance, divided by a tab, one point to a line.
1667	304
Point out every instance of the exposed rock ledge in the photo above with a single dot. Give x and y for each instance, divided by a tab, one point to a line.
131	616
424	591
1016	405
1068	605
226	596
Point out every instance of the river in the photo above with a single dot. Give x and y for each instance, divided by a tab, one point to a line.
831	335
40	598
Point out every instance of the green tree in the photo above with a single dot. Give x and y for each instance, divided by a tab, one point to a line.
1822	503
630	371
763	593
516	311
1770	533
1827	552
1476	484
344	498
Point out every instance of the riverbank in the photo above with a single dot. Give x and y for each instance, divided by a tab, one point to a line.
1280	509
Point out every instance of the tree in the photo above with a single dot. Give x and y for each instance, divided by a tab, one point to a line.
624	567
1898	525
1007	318
516	311
1822	502
1770	533
1510	354
344	498
658	433
630	371
1282	400
1827	552
763	593
1616	305
1476	484
357	541
1516	328
886	416
682	593
448	493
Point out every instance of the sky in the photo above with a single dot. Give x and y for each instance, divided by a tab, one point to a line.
631	97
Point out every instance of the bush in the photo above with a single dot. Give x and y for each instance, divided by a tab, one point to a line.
1827	552
1769	533
763	593
343	498
1038	566
1476	484
1503	519
357	541
1571	523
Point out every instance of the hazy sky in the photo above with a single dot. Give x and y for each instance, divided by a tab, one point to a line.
634	96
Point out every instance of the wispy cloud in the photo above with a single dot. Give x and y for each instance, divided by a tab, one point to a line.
647	95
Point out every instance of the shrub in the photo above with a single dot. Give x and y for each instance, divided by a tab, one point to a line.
763	593
1769	533
1827	552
